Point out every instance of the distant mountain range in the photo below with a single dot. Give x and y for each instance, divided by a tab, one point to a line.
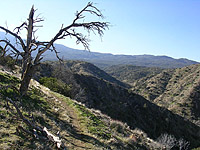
104	60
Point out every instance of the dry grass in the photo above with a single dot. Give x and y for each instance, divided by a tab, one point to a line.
80	128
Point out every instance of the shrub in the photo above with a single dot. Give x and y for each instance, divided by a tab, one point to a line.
7	61
169	141
183	145
118	126
56	85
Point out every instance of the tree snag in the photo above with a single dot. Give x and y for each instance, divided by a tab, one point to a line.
30	63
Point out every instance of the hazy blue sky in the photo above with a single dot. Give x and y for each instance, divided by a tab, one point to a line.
157	27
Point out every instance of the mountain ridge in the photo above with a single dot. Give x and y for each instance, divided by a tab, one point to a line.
176	90
129	73
103	60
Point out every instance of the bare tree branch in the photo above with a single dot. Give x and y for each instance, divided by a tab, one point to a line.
3	50
13	47
15	35
56	52
23	25
98	27
30	29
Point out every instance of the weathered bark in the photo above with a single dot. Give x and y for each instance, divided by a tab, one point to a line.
25	62
27	67
26	78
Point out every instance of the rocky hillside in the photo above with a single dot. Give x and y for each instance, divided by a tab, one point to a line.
152	86
88	69
121	104
77	126
176	90
130	73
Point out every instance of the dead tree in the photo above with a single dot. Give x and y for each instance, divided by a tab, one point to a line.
31	44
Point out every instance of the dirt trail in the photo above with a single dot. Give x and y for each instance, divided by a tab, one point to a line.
60	104
72	134
69	115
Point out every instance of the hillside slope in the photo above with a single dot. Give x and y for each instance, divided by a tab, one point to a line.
152	86
88	69
130	73
79	128
121	104
176	90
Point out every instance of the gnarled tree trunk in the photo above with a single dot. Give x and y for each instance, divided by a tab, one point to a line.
26	78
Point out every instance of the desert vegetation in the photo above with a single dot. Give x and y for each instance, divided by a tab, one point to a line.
110	96
59	113
176	90
75	124
75	105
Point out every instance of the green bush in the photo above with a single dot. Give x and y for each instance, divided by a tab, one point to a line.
7	61
56	85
